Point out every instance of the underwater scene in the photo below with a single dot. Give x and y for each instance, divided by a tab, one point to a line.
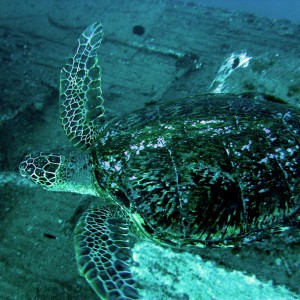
149	150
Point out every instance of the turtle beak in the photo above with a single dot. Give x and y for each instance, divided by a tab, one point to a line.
25	167
22	168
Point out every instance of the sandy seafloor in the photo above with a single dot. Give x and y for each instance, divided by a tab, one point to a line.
179	54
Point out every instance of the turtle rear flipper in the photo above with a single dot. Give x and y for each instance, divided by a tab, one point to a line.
103	253
81	102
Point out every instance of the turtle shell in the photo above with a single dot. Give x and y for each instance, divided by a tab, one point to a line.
203	170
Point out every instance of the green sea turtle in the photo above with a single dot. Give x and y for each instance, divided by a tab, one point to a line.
205	170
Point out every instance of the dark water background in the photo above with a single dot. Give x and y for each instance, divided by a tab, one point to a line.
274	9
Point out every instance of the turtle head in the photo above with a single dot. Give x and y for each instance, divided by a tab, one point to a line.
59	173
42	169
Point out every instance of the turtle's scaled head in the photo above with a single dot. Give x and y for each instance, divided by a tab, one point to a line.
72	173
41	168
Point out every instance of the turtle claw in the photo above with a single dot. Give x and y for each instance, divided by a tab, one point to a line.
103	253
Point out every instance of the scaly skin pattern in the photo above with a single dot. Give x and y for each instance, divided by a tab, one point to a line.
80	100
203	170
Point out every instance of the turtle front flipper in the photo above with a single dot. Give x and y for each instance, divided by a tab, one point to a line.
81	102
103	254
